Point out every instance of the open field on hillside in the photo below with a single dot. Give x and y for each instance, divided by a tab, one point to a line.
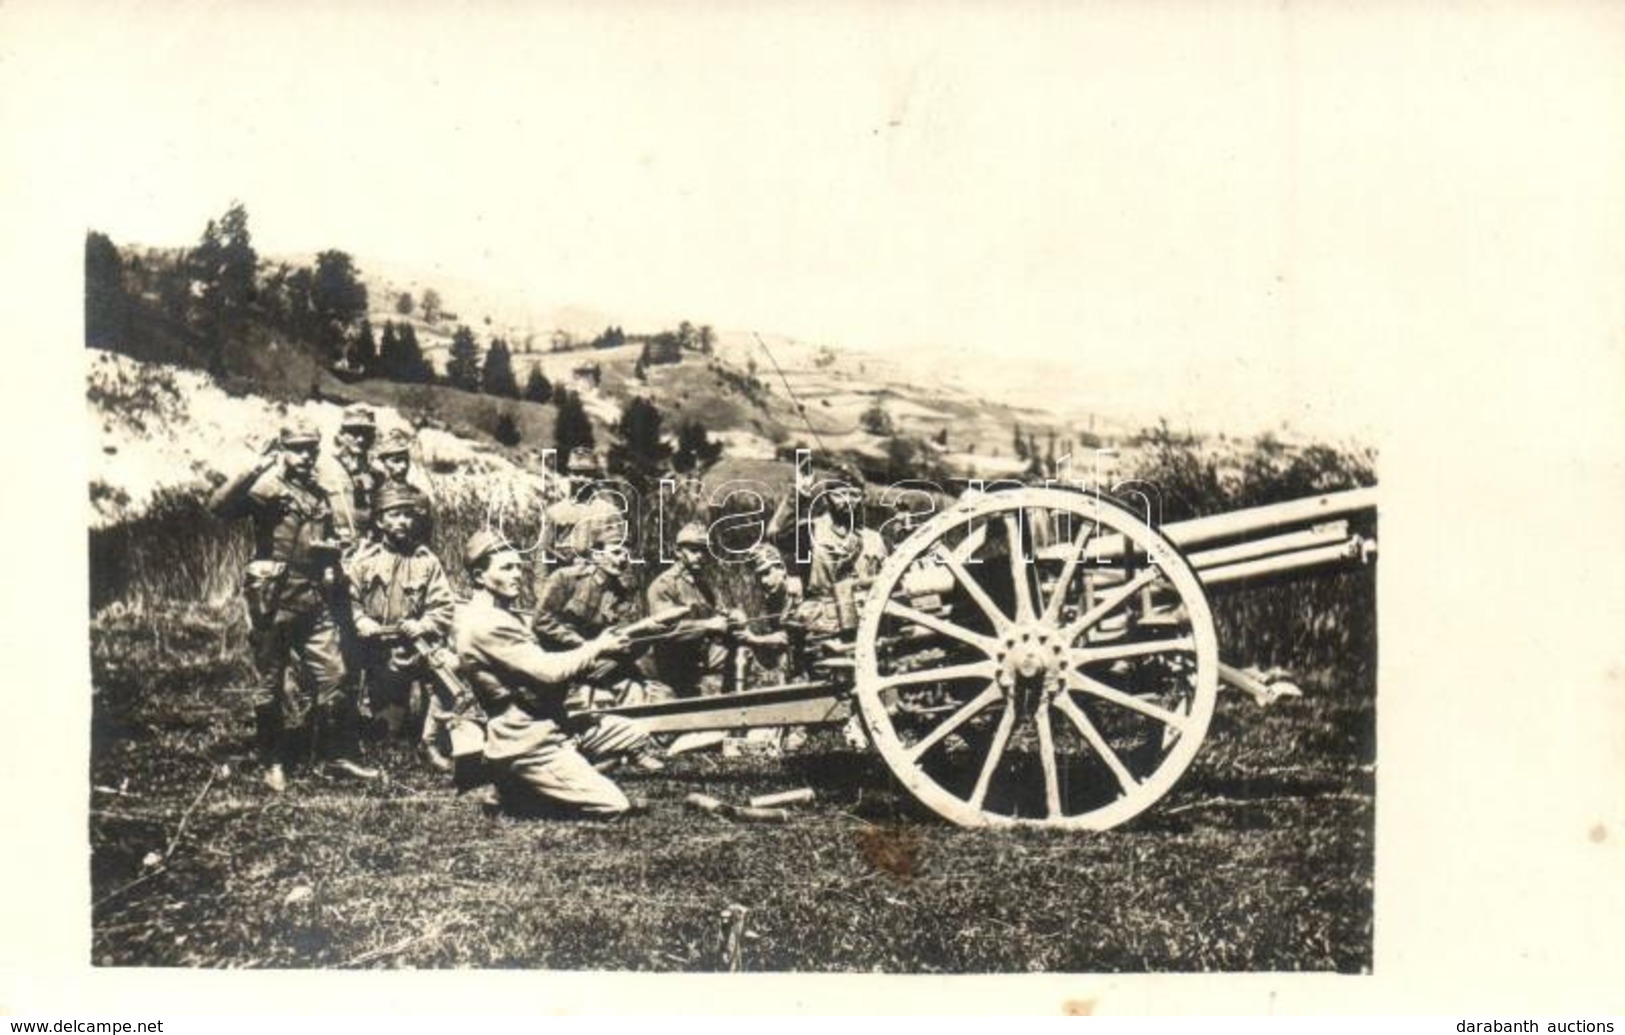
1260	859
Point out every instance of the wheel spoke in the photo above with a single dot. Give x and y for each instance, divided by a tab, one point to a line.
995	754
969	670
1091	655
986	644
972	542
1020	583
1070	709
953	722
1108	603
1172	719
977	593
1052	781
1052	609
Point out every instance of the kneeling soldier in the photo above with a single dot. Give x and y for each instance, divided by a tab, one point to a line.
400	597
535	753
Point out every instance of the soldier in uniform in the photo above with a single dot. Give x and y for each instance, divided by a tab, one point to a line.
393	457
776	637
842	548
290	589
537	756
354	483
567	524
587	599
839	553
399	594
696	659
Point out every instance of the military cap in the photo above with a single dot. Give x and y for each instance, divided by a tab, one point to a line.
692	534
299	432
358	416
394	495
481	545
849	474
393	442
842	475
599	532
583	461
764	557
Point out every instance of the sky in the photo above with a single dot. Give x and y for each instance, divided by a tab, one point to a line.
1236	215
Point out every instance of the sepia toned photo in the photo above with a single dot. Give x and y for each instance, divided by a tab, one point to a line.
757	654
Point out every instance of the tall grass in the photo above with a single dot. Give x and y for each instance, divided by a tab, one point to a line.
1313	622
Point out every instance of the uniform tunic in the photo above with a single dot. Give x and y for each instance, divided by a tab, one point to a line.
587	600
353	486
529	742
387	587
568	527
695	662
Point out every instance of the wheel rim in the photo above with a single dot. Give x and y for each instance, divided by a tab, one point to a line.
1066	677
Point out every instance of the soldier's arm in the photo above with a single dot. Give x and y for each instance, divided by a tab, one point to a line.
234	499
366	626
782	520
507	646
552	631
439	602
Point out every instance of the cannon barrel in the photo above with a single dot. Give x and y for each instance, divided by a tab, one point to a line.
1252	521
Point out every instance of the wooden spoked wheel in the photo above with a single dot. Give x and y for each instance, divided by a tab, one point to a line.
1039	657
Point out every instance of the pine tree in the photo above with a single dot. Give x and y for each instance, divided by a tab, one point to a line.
463	368
431	305
695	447
640	452
507	429
389	353
415	367
876	421
363	353
106	305
498	378
537	388
571	426
337	297
221	270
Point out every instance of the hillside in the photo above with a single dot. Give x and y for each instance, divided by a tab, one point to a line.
755	391
159	428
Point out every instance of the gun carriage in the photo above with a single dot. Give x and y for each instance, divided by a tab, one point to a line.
1043	656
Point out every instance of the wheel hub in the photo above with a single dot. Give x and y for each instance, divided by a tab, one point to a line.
1031	662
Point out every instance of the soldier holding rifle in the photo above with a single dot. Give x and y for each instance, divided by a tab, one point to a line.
291	588
591	597
400	596
695	658
539	756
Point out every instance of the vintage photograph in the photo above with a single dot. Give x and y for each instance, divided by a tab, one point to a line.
717	540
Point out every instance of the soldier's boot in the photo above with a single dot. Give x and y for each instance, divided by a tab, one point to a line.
340	725
270	743
429	747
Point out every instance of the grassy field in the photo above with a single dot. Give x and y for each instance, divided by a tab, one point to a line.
1260	859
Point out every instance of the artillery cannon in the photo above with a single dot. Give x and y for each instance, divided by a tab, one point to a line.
1043	656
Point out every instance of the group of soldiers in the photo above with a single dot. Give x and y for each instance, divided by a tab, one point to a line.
355	624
